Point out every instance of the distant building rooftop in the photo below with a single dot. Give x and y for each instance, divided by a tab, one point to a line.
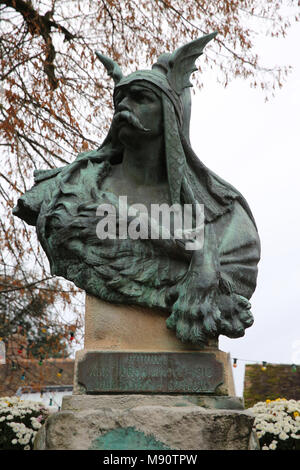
20	374
30	374
276	381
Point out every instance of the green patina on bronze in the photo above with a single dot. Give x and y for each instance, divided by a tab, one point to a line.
147	156
127	439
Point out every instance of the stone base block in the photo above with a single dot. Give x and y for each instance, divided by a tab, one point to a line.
123	423
96	402
114	327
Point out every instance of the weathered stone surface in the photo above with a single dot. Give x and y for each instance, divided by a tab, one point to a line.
147	427
96	402
127	327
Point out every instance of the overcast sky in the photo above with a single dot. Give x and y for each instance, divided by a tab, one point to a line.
255	146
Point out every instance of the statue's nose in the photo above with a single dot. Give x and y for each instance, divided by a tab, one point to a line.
124	105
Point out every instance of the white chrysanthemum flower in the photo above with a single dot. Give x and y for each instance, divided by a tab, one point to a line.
265	447
273	445
16	412
269	428
279	417
14	441
24	440
36	425
259	426
283	436
13	425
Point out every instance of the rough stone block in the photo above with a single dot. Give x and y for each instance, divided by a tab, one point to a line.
96	402
146	427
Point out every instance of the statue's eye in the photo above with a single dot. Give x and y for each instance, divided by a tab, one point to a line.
139	96
118	98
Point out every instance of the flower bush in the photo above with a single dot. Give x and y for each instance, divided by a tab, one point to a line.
19	422
277	424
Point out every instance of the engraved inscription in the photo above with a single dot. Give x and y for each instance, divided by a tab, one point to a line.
195	372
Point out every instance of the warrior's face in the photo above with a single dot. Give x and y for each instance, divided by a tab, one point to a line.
138	113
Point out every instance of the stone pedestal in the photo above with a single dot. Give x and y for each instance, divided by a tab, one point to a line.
122	328
141	333
136	386
144	423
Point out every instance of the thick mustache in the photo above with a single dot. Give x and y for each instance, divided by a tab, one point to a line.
130	118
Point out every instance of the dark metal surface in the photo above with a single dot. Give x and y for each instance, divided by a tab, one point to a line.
147	158
161	372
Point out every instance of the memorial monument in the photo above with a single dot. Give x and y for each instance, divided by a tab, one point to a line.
167	253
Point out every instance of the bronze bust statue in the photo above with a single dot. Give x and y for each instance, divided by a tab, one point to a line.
147	157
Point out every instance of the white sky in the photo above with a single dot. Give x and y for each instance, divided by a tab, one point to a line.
255	146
